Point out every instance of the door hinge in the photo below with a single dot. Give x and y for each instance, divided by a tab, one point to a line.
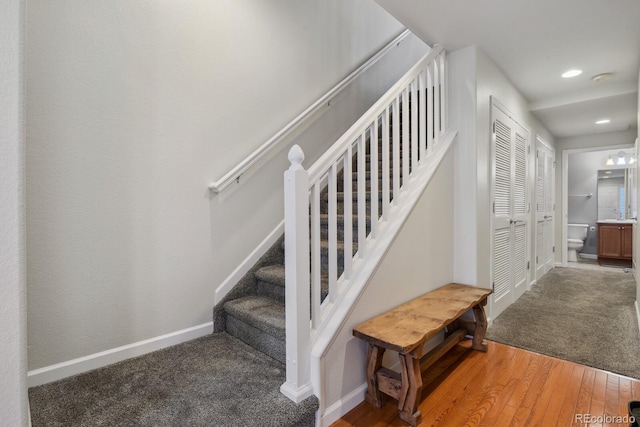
553	250
494	127
528	149
493	286
536	259
494	207
528	265
529	207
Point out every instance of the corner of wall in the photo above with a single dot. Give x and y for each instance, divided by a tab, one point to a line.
462	113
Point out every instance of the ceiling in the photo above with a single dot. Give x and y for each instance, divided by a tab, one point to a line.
535	41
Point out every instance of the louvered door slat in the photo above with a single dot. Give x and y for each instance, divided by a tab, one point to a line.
520	184
502	183
540	177
520	252
501	261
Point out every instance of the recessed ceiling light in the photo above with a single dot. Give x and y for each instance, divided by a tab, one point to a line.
603	121
571	73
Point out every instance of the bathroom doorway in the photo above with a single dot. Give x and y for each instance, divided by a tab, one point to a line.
596	183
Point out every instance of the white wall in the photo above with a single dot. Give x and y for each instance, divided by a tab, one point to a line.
133	109
13	372
474	80
462	117
420	258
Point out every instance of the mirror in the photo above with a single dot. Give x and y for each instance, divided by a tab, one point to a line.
615	198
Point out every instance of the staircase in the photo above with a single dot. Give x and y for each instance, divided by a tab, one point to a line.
341	216
258	318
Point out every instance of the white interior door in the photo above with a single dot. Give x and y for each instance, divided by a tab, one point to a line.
510	224
544	208
550	247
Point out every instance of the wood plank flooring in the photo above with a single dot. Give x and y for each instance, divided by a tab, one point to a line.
508	386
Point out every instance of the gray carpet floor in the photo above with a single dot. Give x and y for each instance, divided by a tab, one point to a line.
584	316
212	381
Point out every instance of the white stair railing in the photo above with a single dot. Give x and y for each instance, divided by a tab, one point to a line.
397	134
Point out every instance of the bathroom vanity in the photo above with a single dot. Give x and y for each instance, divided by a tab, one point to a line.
615	242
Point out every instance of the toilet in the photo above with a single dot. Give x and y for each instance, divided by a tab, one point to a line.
577	234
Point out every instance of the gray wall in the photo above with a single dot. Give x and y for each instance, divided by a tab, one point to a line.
13	349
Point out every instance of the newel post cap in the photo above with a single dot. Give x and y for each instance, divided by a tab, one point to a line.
296	156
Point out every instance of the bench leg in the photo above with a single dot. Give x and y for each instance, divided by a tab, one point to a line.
411	390
374	362
481	328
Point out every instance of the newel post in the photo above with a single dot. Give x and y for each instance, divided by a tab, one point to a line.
297	278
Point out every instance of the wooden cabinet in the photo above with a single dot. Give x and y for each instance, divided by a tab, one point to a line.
615	243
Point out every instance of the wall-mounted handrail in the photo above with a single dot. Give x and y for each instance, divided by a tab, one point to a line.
324	102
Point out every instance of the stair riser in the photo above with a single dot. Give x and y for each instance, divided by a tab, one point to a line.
256	338
271	290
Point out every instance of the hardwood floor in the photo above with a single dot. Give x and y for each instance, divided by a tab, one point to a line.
508	386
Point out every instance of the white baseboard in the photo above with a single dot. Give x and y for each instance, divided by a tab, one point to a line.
98	360
340	408
249	262
637	313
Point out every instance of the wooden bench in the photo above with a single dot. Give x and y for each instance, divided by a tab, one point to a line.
406	328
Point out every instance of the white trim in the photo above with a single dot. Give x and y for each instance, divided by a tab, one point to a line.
322	103
340	408
296	394
98	360
248	262
588	256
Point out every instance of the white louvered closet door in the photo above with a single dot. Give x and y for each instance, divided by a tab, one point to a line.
550	207
510	210
545	207
541	219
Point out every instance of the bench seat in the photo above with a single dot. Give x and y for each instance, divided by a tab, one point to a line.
406	329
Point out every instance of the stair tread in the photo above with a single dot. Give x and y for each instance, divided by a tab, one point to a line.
261	312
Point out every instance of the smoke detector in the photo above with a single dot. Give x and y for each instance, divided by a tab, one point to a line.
601	77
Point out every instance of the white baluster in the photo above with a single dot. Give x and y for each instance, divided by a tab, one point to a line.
362	194
406	144
429	106
396	150
333	232
296	211
385	164
373	150
414	124
348	211
423	113
437	104
445	90
316	263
